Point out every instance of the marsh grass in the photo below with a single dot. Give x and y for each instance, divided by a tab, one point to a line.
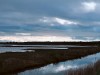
20	61
92	69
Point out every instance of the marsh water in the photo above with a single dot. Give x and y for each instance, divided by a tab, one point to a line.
51	69
62	67
23	48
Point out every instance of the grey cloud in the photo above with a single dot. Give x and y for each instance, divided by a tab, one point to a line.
22	16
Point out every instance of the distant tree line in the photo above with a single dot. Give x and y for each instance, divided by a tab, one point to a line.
96	43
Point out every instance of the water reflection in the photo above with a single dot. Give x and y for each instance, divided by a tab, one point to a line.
52	69
23	48
14	49
42	45
60	68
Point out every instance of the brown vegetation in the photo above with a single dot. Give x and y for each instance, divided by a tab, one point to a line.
92	69
15	62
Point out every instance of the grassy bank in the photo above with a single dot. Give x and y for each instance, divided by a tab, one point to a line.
92	69
12	62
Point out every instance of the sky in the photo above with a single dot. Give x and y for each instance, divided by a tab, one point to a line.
49	20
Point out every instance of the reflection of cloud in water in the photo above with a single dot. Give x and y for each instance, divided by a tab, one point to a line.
63	68
60	68
56	68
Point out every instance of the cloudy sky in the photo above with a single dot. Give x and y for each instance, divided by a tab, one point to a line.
49	20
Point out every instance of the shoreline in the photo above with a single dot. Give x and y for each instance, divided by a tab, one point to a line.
91	69
21	61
